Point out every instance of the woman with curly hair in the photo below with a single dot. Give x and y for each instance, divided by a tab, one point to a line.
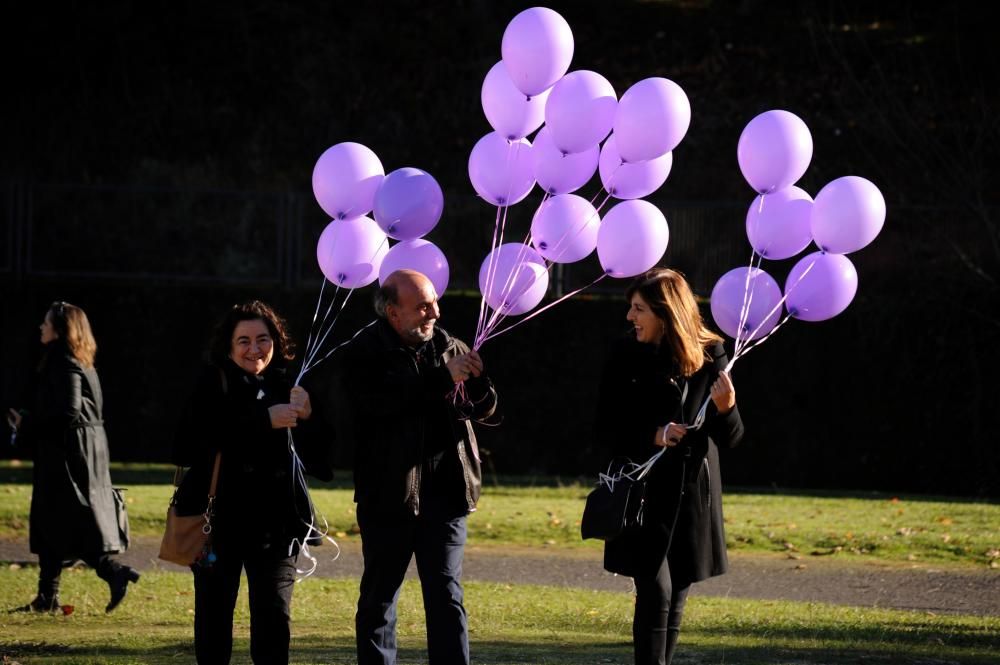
242	405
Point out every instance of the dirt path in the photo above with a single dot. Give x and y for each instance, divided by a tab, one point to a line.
924	588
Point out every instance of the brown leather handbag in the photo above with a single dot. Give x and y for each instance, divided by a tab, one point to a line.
187	537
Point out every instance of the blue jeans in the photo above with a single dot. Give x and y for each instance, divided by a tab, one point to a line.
387	544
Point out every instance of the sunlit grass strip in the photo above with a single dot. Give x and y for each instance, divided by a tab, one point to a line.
848	527
508	624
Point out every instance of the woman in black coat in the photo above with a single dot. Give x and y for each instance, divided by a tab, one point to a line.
654	385
75	513
242	406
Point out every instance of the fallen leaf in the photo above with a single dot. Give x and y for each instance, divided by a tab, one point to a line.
800	566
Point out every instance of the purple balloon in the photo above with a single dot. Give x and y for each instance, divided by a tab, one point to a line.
632	181
500	170
761	295
778	223
537	48
632	238
652	118
849	212
408	203
420	255
823	292
345	179
565	228
513	278
557	173
774	151
350	251
580	111
509	111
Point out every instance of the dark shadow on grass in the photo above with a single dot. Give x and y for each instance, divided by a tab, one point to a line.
337	651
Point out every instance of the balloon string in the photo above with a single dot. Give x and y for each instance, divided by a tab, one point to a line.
312	325
494	262
539	311
315	342
502	223
505	292
312	530
747	300
604	202
749	343
311	354
493	244
603	188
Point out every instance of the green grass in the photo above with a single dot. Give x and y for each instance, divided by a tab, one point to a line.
508	624
844	526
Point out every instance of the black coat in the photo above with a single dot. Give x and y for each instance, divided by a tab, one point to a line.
73	510
385	400
258	500
640	392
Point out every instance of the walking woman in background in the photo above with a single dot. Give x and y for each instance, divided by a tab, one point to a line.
653	386
240	410
75	513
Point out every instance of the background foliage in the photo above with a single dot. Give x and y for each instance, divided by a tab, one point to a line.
156	165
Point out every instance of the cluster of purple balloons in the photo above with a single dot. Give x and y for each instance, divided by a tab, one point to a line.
353	250
774	151
530	86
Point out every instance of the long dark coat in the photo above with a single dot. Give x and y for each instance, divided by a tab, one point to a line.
259	502
641	391
72	504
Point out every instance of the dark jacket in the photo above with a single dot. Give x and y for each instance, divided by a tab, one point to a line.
258	500
386	399
72	504
641	391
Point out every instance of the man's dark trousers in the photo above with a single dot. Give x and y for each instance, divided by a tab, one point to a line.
437	538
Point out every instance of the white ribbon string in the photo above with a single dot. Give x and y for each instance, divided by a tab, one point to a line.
312	530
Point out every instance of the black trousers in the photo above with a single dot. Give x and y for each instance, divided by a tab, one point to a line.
659	608
437	539
50	570
270	578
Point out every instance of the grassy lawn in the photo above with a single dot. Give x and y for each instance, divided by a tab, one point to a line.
850	527
508	623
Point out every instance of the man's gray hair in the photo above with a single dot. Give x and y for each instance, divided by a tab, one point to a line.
385	295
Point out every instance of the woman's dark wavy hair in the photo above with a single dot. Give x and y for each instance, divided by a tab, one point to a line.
222	339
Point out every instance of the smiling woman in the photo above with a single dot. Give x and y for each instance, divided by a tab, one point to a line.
237	429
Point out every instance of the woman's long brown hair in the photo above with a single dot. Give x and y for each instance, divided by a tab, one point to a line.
670	298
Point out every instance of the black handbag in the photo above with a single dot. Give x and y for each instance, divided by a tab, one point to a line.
614	507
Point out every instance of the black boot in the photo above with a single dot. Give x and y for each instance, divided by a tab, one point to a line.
40	604
118	583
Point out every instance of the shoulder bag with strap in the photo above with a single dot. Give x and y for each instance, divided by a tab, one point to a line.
187	539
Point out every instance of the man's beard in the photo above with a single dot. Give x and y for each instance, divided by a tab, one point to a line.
418	334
